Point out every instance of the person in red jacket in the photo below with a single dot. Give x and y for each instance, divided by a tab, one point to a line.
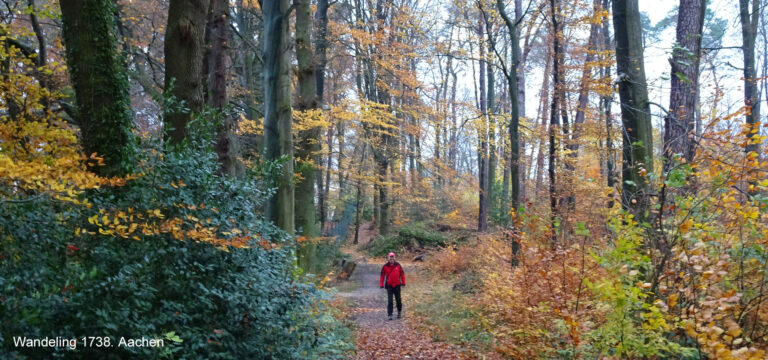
393	277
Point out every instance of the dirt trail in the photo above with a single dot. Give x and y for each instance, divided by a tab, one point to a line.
377	337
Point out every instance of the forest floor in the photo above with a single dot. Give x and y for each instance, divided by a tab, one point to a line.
379	338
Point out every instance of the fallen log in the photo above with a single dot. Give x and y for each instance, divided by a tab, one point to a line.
347	269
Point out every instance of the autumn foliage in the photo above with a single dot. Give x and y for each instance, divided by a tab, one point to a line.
166	252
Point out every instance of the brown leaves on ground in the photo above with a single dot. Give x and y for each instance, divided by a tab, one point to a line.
379	338
396	339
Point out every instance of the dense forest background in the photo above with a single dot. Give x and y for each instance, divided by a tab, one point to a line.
583	178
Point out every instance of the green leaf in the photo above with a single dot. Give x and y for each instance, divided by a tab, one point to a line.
682	77
676	178
581	229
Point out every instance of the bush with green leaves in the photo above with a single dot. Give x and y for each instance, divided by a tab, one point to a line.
413	235
62	277
633	327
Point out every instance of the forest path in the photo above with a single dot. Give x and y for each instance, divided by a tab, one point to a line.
377	337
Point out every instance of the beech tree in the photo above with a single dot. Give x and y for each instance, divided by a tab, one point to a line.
278	137
308	139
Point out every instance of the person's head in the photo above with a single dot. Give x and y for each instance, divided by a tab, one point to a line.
391	257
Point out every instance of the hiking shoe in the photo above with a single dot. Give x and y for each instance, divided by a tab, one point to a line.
390	317
398	315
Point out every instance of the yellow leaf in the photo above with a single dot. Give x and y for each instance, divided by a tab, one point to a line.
685	226
672	301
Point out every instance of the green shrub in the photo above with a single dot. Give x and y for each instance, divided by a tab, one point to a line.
204	302
381	245
419	233
413	235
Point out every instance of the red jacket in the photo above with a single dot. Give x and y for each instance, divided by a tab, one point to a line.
394	275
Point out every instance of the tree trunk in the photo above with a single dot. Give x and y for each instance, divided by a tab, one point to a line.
491	198
324	187
586	78
635	109
42	50
543	102
252	77
321	47
606	103
340	157
553	116
226	142
514	121
382	165
357	212
184	53
482	154
519	65
751	100
309	139
679	123
100	82
277	109
376	207
453	152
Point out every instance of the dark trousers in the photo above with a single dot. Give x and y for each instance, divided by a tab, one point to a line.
394	291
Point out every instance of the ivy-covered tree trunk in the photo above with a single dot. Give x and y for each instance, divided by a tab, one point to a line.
100	82
679	123
277	110
635	109
309	139
184	53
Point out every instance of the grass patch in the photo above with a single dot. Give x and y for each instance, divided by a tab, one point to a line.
446	315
